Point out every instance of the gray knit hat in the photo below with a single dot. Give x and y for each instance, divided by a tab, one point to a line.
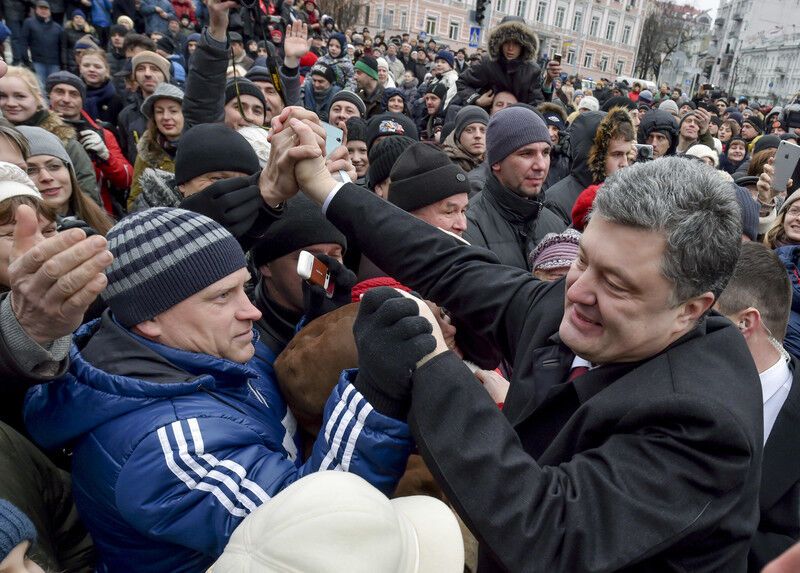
162	91
42	142
65	77
512	128
15	527
162	256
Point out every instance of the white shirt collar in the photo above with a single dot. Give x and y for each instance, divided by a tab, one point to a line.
774	377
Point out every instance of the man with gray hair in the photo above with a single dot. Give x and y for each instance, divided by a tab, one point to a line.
631	437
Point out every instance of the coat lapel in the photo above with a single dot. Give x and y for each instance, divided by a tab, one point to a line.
781	466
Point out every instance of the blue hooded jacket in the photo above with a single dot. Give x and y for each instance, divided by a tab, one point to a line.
789	256
172	449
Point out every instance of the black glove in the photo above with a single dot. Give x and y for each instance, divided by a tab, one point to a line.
391	337
315	299
233	203
66	223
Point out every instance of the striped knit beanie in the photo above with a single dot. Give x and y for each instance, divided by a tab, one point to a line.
162	256
15	527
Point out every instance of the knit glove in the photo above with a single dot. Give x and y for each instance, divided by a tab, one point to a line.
233	203
66	223
93	143
391	338
316	301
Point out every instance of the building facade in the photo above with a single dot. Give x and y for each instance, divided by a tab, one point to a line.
688	66
596	38
754	44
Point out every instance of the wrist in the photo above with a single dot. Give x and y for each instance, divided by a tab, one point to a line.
393	407
291	62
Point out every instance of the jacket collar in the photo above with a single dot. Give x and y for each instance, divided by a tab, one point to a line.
513	207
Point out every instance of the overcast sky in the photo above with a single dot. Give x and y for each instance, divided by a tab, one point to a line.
706	5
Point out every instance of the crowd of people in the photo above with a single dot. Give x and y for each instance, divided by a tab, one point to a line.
553	328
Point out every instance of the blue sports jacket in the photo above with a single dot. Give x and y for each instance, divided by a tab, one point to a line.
172	449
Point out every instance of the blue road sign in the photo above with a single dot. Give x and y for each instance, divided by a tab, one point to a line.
474	36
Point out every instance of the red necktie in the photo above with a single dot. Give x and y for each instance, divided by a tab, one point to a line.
577	371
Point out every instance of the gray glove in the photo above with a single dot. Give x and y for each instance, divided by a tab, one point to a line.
93	144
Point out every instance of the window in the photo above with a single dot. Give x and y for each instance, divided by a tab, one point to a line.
430	25
604	63
502	6
388	21
577	20
618	68
626	34
610	30
379	16
522	8
594	26
632	3
455	30
404	20
588	58
561	12
571	57
541	11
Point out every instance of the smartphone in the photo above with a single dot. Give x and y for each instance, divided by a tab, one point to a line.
313	270
557	58
334	137
644	152
786	159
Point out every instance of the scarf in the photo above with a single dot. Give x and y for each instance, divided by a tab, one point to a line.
38	117
96	97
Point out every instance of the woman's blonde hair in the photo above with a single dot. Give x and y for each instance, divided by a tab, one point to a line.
100	54
776	235
30	81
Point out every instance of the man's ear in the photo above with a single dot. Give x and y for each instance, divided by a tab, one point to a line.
149	329
693	309
748	321
265	271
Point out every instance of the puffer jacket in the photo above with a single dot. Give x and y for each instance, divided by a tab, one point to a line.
342	67
173	449
509	225
561	196
522	76
131	125
790	257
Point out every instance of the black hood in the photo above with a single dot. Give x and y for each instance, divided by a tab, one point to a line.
581	137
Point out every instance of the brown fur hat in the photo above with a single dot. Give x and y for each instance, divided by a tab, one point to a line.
617	122
518	32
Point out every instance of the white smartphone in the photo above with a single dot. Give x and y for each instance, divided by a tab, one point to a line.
313	270
786	159
334	137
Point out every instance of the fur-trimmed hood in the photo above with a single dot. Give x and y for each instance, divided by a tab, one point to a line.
57	127
158	190
597	155
518	32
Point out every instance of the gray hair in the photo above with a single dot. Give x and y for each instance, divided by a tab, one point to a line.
692	206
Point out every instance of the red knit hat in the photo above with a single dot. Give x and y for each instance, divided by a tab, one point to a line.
583	204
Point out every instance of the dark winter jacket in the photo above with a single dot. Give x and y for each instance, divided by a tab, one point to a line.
522	76
559	162
508	225
43	39
561	196
790	257
372	101
638	467
69	38
459	155
131	126
44	493
165	440
320	103
103	103
661	121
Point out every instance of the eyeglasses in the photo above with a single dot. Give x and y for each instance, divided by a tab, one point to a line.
793	212
52	167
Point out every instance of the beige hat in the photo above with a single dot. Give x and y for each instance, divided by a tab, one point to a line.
333	521
14	182
147	57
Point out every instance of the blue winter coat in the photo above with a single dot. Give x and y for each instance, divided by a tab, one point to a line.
172	449
152	21
43	39
789	256
101	13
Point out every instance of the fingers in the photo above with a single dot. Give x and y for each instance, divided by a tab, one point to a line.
410	326
374	298
61	264
29	261
339	153
25	231
82	276
306	135
395	309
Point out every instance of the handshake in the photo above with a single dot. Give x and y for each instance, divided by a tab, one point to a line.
395	334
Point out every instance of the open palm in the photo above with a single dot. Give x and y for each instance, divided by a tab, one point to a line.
295	44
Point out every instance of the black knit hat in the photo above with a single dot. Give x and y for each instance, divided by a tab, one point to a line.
325	71
165	44
352	97
766	142
258	74
64	77
468	115
245	87
438	89
423	175
382	157
756	122
390	123
213	147
356	129
618	101
302	224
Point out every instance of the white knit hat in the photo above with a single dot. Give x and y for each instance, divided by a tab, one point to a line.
333	521
14	182
589	103
702	151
